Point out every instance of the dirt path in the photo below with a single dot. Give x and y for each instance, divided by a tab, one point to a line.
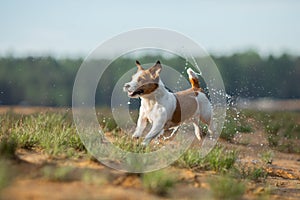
283	177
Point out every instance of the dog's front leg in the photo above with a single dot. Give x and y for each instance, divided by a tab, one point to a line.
157	128
141	125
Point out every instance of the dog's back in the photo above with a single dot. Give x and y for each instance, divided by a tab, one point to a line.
192	101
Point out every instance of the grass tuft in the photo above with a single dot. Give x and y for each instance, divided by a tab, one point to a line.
8	148
235	123
257	174
5	174
94	178
60	174
158	182
227	188
267	157
54	133
126	143
218	159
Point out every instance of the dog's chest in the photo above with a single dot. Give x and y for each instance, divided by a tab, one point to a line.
151	110
155	109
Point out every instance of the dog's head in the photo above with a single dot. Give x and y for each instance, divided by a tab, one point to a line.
144	81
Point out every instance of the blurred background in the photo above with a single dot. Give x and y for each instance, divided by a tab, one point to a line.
255	45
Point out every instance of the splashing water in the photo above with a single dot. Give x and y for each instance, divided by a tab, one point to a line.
196	64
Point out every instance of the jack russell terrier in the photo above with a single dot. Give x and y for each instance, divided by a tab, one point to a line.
166	110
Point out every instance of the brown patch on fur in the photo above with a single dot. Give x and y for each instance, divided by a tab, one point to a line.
176	118
186	105
195	83
149	88
147	83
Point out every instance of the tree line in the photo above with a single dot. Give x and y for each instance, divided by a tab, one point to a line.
49	81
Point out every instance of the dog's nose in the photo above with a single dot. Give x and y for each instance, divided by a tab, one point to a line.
126	86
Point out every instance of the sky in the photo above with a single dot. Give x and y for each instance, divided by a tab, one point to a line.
74	28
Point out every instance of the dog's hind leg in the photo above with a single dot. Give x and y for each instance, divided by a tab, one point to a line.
197	131
210	126
212	129
175	129
156	140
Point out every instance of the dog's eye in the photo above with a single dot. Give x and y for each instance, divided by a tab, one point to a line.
140	79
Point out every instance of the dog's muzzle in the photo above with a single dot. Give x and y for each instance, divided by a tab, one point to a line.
138	91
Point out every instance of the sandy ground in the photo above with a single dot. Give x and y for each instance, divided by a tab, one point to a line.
283	178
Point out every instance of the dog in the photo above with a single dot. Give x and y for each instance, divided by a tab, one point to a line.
166	110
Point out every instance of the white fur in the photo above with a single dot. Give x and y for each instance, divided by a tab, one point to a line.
157	108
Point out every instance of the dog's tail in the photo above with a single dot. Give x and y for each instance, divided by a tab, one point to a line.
193	79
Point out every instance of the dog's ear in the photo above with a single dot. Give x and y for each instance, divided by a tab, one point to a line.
155	70
138	64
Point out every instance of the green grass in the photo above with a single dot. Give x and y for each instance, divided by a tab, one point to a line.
60	174
257	174
284	123
69	174
159	182
94	178
267	157
5	174
8	148
108	124
235	122
219	159
126	143
54	133
225	187
282	129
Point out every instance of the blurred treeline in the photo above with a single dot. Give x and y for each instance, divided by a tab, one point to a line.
49	81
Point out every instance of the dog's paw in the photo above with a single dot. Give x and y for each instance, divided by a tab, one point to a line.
145	143
136	136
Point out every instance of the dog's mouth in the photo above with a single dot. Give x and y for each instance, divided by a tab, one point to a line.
136	92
